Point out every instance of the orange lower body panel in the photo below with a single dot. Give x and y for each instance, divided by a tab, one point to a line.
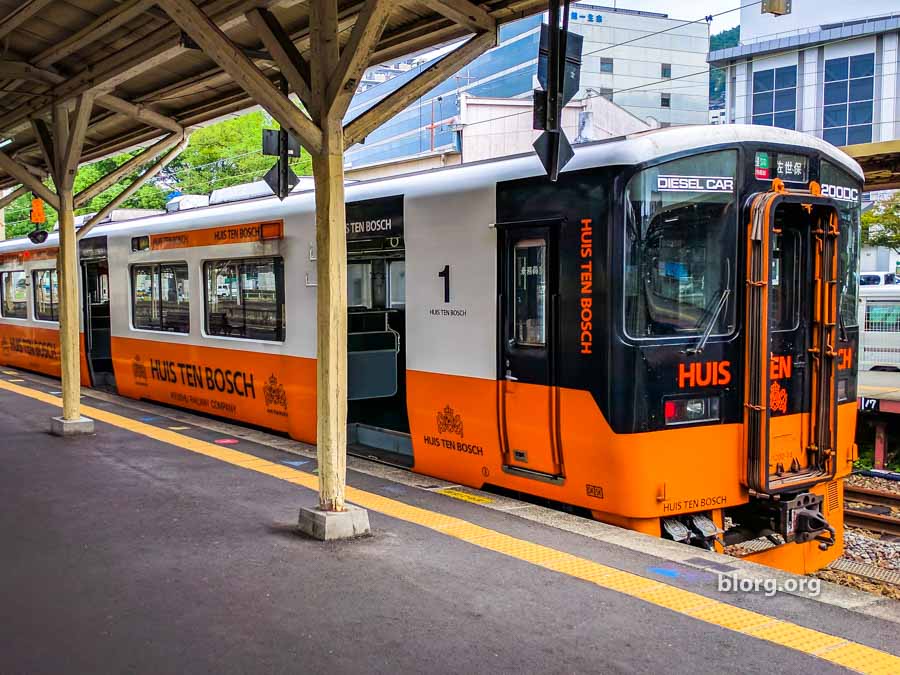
636	476
36	349
268	390
808	557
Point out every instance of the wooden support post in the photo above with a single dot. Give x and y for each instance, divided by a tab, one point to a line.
25	177
69	333
20	15
331	256
68	140
880	444
291	64
370	24
139	112
429	78
463	12
331	299
13	196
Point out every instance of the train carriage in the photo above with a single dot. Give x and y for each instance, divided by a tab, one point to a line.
665	337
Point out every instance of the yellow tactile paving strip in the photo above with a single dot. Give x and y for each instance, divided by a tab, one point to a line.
843	652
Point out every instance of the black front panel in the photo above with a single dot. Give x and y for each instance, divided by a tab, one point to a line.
575	213
652	267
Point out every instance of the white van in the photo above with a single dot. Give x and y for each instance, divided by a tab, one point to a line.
878	279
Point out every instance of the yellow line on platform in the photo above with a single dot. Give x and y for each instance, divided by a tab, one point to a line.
853	655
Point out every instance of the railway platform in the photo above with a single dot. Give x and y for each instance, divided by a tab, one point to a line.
879	401
167	542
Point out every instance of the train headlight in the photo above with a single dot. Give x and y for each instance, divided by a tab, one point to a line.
690	410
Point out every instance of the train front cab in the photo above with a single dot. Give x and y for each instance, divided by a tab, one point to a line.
680	359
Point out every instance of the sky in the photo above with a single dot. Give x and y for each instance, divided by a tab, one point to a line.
679	9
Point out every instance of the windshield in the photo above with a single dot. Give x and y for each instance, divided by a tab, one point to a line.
681	225
845	189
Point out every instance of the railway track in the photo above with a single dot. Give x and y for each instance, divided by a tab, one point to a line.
878	510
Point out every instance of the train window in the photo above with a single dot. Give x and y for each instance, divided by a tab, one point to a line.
397	283
245	298
161	297
846	190
531	284
680	248
784	279
359	285
13	289
46	295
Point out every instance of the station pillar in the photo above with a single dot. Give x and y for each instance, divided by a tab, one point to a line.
71	421
331	348
325	81
63	152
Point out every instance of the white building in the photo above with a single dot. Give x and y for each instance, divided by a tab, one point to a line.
829	69
497	127
647	63
652	65
488	128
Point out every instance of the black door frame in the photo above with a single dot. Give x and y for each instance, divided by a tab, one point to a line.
549	229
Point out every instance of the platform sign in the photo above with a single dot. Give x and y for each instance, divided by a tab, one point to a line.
868	404
762	169
559	74
792	168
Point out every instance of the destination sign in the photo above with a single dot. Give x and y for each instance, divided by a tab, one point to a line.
694	183
375	218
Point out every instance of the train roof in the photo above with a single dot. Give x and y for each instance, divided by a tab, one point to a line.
629	150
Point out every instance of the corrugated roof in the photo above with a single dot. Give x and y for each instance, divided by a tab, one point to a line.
55	50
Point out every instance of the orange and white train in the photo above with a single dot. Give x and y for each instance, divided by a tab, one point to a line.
665	338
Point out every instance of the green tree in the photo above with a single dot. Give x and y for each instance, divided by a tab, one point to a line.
152	195
724	40
880	225
225	154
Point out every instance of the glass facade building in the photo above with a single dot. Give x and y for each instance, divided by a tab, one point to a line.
635	76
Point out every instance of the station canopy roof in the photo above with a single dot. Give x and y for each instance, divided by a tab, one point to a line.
880	162
54	50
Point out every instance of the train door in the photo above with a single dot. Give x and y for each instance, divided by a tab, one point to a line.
527	386
377	416
97	329
792	315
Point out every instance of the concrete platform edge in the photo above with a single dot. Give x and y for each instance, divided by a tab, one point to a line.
831	594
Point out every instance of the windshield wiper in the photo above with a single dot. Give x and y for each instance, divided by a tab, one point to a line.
843	326
714	317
